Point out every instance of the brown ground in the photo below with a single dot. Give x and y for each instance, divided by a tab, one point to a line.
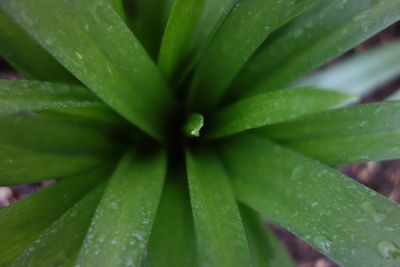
384	177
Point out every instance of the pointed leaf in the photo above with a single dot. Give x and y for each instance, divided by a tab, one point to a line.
361	73
265	248
98	48
59	244
149	23
179	31
321	34
22	222
28	57
173	226
271	108
220	234
354	134
346	221
244	29
26	96
121	226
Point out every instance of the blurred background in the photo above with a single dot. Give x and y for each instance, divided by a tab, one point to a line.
383	177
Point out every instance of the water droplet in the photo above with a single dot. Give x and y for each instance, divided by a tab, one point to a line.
376	216
388	250
323	243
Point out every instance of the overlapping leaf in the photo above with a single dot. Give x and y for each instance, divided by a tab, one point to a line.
346	221
220	234
22	222
29	58
244	29
26	96
179	32
354	134
98	48
322	33
173	226
361	73
132	195
59	244
271	108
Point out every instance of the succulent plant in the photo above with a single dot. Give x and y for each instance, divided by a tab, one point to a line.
174	129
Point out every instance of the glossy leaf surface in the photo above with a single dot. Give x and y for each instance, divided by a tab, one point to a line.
132	196
28	57
271	108
361	73
353	134
22	222
26	96
98	48
59	244
322	33
346	221
244	29
220	234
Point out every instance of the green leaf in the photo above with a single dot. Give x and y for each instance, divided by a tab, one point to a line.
270	108
118	6
244	29
149	24
220	234
354	134
265	248
346	221
361	73
173	226
319	35
132	196
28	57
59	244
179	31
213	15
97	116
46	134
20	165
22	222
98	48
26	96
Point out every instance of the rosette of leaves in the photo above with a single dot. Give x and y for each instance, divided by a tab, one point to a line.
173	129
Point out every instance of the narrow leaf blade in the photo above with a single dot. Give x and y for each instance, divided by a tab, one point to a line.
353	134
306	197
178	33
121	227
244	29
360	74
271	108
98	48
28	57
26	96
173	226
220	234
59	244
22	222
265	248
321	34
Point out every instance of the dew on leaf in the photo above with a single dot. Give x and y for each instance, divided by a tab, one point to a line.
388	250
323	243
